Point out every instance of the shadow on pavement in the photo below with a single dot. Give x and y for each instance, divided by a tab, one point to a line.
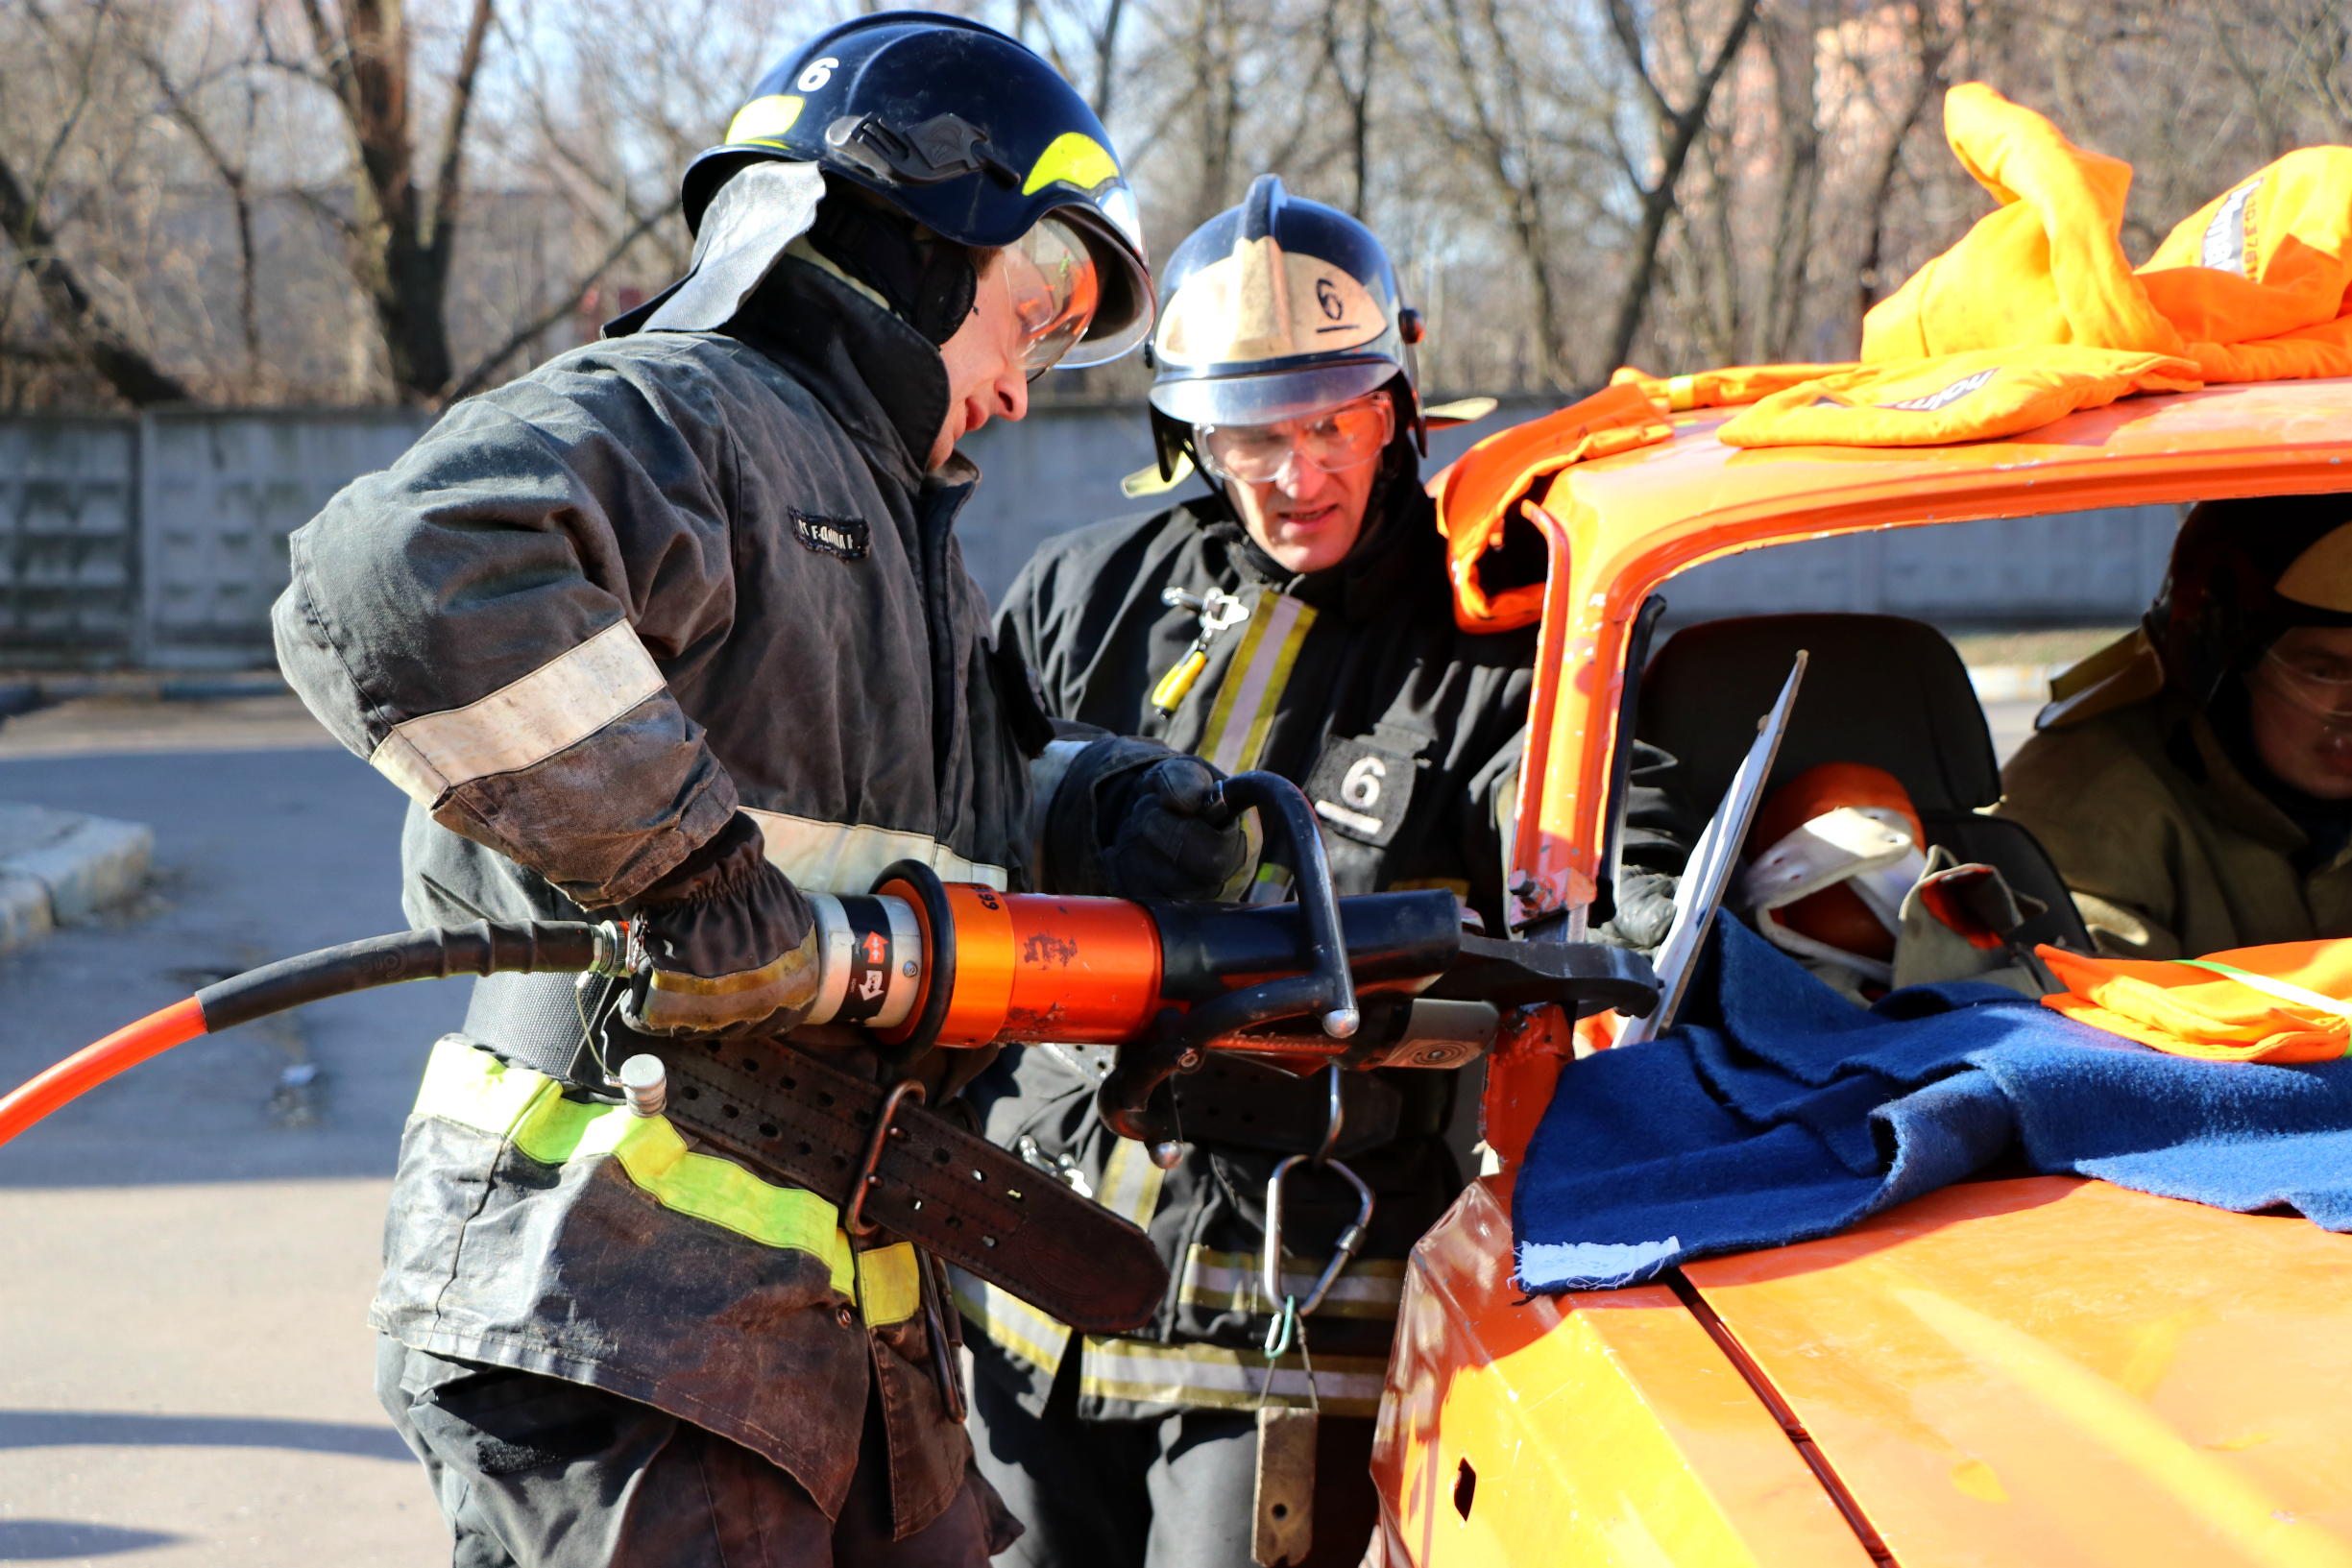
111	1429
52	1540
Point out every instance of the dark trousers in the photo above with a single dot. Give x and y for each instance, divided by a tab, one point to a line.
1175	1492
535	1472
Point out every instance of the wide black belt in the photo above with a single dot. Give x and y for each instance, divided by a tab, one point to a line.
787	1115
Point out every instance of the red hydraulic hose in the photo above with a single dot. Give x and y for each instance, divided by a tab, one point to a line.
541	947
92	1064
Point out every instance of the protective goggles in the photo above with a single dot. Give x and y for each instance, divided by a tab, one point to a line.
1054	289
1333	441
2316	683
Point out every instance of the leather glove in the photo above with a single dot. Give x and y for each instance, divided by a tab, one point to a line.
722	946
1176	839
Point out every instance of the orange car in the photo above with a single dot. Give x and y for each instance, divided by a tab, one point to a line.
2041	1371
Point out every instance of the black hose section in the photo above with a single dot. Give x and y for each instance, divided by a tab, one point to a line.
537	948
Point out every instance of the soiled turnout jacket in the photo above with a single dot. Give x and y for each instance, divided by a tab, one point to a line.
585	620
1405	734
2169	850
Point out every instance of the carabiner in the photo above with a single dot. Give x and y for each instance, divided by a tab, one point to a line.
1344	1251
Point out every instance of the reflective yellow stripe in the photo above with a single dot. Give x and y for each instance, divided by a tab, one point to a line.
1368	1287
765	119
1075	158
558	704
1252	687
1008	1321
845	857
889	1284
1216	1378
475	1090
1132	1183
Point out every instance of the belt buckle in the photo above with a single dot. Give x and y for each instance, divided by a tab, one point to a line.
853	1207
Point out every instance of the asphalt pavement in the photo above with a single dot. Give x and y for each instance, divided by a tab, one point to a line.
186	1254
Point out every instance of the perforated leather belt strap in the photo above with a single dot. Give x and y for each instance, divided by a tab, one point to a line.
787	1115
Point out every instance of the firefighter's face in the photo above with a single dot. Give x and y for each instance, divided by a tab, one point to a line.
2300	710
986	377
1313	479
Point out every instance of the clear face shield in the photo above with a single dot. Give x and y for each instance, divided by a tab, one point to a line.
1054	289
1334	441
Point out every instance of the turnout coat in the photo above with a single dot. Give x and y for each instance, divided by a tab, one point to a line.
1404	731
588	618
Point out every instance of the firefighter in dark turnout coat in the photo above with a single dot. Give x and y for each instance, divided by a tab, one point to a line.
675	629
1296	619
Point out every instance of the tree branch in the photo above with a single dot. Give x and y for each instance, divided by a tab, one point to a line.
479	376
112	355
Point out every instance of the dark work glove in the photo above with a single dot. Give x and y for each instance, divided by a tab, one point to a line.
723	946
1133	820
1179	838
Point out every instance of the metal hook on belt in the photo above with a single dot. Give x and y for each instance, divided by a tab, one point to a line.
853	1206
1344	1250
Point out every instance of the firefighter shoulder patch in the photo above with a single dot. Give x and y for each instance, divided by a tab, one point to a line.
1362	788
847	538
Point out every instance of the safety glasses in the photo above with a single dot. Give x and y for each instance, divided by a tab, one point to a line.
2310	679
1333	441
1054	289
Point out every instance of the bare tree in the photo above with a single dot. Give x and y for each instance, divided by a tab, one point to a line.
1677	126
402	239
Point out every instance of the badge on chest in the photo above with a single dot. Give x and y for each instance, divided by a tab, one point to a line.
1362	788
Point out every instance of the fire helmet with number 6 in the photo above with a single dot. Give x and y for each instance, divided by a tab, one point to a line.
1278	308
889	133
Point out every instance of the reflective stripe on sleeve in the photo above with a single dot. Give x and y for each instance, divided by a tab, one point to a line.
889	1284
1251	690
474	1089
1369	1288
1194	1376
558	704
840	857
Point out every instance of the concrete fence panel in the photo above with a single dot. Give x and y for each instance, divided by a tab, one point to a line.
161	539
69	540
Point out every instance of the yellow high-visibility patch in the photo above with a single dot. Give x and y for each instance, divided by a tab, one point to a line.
889	1284
474	1089
765	119
1074	158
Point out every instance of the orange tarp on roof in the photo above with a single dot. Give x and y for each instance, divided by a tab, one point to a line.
2252	287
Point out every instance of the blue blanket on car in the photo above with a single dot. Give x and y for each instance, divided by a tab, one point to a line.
1799	1114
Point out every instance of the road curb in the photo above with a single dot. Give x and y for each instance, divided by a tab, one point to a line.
60	867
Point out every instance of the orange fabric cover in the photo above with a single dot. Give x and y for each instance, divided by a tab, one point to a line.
1474	494
1965	396
1716	389
2252	288
2196	1012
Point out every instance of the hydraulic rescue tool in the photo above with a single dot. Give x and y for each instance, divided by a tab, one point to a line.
1382	980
